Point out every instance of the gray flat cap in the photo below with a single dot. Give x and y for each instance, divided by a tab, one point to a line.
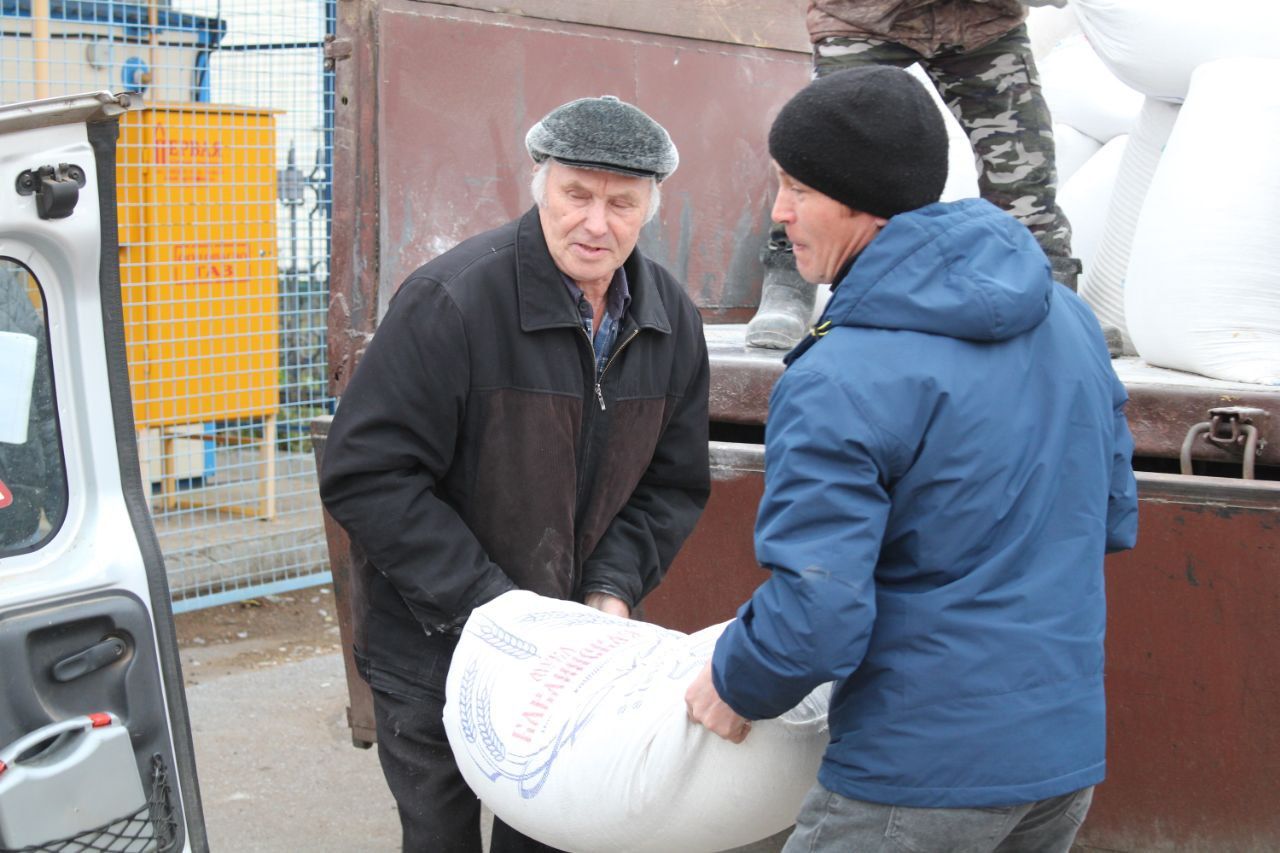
604	133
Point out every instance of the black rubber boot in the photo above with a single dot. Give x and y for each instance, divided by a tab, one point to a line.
786	306
1066	271
1115	340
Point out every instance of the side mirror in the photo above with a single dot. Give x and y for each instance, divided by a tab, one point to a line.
17	379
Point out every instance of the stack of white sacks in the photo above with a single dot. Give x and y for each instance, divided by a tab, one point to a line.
1166	118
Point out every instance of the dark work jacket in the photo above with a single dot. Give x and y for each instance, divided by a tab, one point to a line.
473	451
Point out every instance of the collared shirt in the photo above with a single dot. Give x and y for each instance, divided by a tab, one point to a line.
616	302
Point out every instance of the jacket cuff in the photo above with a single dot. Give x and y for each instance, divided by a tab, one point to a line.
608	589
453	627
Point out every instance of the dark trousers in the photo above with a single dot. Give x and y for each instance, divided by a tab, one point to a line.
438	812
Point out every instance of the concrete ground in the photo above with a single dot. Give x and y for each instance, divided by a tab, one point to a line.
277	770
267	697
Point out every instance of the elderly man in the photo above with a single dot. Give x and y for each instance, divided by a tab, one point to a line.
532	413
947	461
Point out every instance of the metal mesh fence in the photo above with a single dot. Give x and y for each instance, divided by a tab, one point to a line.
223	188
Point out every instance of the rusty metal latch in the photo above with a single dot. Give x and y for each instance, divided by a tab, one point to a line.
1230	428
335	49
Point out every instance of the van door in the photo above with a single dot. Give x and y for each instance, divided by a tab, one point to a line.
95	745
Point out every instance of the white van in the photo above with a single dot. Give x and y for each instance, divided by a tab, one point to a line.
95	745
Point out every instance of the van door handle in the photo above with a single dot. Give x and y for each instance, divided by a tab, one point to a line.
93	658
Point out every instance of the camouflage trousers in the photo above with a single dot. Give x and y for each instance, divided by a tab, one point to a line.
994	91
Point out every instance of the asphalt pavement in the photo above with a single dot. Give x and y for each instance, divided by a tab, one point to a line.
277	770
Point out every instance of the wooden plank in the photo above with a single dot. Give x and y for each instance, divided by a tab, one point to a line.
775	24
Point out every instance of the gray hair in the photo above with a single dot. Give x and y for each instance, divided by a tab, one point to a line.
538	188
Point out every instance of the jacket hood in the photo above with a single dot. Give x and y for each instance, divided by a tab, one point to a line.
961	269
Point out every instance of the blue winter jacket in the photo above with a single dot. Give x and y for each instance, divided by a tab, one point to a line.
944	470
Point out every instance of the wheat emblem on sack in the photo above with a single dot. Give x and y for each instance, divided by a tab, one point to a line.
571	619
506	642
464	701
487	734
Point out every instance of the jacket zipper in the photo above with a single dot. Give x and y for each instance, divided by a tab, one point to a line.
616	351
588	427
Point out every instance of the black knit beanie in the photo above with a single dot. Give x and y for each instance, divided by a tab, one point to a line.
871	138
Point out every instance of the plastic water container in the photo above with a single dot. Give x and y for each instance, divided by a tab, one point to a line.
70	778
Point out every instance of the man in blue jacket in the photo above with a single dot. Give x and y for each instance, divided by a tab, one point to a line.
947	462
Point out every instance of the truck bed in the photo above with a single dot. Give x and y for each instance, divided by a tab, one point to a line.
1164	404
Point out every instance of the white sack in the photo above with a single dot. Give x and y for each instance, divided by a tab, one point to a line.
1082	92
1047	26
1203	292
1103	285
1085	197
571	726
1072	149
962	167
1154	45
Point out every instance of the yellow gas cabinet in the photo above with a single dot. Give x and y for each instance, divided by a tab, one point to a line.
196	188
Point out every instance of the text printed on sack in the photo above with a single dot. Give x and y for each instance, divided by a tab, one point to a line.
566	667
